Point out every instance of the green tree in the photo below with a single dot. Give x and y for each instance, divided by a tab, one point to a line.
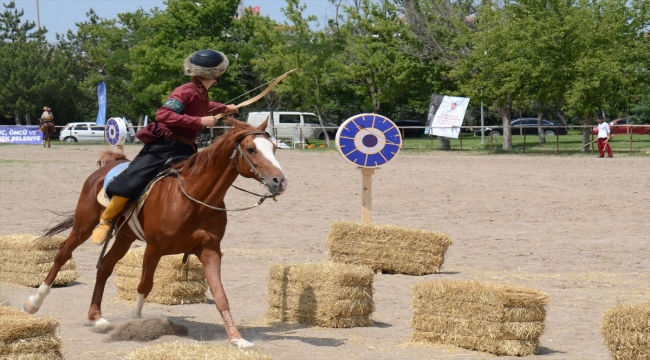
34	72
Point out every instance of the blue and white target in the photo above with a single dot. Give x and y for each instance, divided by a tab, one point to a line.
368	140
115	131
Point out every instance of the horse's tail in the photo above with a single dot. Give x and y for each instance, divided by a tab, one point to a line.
108	156
60	227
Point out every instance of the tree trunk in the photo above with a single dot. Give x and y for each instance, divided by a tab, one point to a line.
17	118
506	118
445	144
28	119
558	112
322	126
540	128
586	133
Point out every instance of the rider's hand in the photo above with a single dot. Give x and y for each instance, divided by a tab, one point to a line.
208	121
231	109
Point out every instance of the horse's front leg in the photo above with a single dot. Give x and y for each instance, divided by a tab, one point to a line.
80	233
149	265
211	261
117	251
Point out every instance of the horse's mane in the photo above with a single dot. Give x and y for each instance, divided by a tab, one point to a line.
108	155
222	147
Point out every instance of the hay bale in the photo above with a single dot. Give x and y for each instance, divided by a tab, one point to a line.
495	318
322	294
389	248
27	261
198	350
626	330
172	285
24	336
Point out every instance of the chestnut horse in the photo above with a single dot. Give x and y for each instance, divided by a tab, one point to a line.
48	130
176	217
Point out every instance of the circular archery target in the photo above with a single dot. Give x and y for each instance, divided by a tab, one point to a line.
368	140
115	131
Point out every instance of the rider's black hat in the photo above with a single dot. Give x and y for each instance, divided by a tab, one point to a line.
208	64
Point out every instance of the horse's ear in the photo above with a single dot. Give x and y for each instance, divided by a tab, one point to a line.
263	124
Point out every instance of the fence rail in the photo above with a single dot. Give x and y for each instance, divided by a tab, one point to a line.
524	139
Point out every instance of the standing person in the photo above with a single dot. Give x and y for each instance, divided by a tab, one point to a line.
179	121
604	134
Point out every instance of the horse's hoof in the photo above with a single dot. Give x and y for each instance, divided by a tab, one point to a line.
101	322
241	343
29	307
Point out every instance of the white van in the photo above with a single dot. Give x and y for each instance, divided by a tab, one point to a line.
288	124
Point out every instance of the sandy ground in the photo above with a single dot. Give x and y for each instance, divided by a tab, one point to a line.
575	227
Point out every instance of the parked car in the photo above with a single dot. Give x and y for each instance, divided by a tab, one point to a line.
621	126
529	126
288	124
410	132
86	132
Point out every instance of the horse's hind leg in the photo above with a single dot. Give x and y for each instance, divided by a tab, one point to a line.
149	265
117	251
211	261
78	235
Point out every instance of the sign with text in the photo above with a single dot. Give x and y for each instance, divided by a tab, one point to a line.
29	134
449	117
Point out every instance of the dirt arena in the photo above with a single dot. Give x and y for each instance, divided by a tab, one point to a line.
576	227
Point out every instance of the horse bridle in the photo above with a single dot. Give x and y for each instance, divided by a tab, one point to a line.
241	152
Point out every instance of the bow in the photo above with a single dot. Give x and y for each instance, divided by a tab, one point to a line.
260	95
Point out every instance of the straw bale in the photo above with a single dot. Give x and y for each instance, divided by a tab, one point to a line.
172	284
28	256
16	324
198	350
509	330
479	311
36	344
135	256
626	331
28	241
24	336
493	294
27	261
323	294
497	347
174	288
390	248
165	274
37	356
131	295
63	278
496	318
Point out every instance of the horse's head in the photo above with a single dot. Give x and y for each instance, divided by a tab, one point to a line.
255	156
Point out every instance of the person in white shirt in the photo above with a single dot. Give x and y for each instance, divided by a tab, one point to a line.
604	134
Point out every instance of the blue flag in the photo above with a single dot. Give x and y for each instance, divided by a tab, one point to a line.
101	97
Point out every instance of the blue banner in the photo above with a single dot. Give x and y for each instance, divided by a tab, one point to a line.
14	134
101	98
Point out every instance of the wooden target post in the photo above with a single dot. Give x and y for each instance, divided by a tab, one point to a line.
367	141
115	132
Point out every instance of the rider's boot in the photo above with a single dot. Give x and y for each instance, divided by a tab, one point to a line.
113	209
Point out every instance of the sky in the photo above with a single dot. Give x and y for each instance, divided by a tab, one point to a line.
59	16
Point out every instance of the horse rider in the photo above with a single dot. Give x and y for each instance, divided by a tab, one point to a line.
46	116
178	123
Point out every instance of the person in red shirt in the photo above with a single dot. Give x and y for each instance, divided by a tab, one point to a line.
178	122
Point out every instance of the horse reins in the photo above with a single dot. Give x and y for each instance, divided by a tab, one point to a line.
236	150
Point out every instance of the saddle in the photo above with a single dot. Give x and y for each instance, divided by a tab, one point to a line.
133	208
